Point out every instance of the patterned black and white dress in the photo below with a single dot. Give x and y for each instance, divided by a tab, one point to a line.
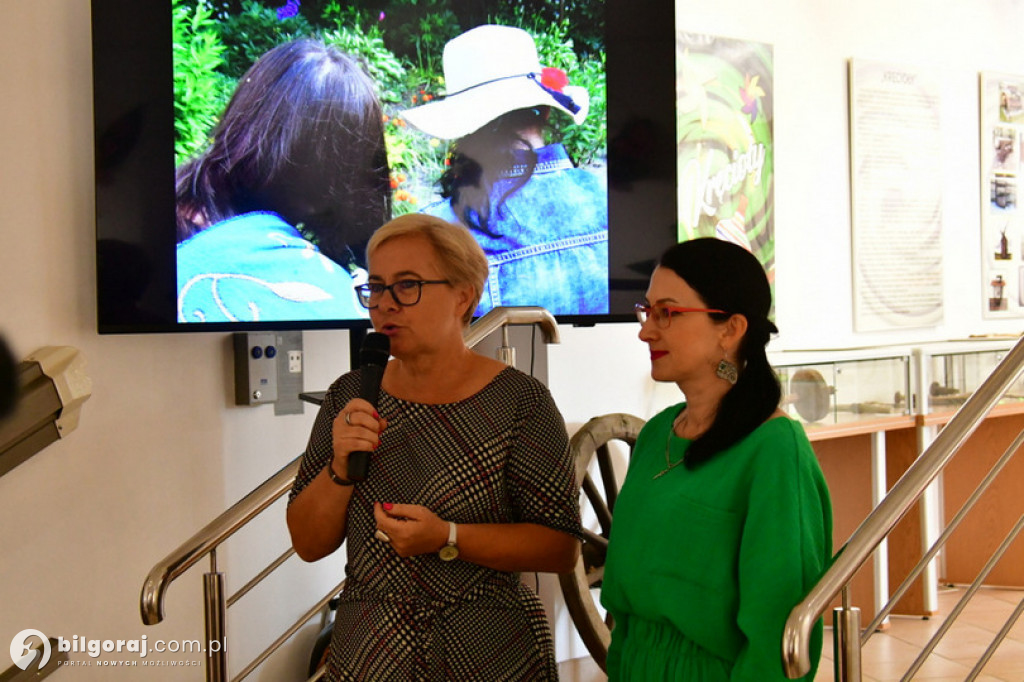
499	456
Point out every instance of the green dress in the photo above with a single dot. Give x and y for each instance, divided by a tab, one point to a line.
704	566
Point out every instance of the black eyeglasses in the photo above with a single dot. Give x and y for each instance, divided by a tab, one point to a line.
404	291
663	314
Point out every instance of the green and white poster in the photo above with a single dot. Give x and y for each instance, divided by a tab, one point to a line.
724	142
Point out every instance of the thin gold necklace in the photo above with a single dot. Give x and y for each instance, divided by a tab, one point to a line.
669	464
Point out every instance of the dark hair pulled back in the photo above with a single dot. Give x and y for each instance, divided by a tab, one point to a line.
483	157
728	277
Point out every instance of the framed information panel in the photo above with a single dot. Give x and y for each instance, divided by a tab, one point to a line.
896	184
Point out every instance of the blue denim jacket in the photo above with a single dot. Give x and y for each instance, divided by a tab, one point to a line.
553	245
255	267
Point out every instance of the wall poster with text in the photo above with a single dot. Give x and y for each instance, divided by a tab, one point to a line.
896	192
725	149
1002	222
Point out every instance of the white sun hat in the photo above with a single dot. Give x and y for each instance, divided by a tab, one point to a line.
489	71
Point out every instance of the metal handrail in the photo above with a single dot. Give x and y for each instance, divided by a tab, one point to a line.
286	635
962	604
497	318
940	542
883	518
206	540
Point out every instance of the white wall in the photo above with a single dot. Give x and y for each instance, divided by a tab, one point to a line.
161	449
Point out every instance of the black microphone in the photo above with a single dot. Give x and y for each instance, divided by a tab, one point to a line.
373	358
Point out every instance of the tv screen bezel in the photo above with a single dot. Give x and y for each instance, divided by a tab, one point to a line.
133	115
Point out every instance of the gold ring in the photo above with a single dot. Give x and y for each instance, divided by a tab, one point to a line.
347	421
381	535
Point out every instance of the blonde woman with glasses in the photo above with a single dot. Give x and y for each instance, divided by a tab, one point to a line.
470	482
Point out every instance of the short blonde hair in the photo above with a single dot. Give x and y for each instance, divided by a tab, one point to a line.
461	259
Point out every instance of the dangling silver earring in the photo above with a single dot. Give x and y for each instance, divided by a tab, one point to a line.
727	371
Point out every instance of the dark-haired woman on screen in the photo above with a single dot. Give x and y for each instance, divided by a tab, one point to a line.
271	215
724	521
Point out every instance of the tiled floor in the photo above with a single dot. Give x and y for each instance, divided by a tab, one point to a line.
888	654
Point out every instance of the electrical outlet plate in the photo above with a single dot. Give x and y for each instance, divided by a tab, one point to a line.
289	373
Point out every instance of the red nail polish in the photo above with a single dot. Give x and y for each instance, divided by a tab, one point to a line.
387	506
375	415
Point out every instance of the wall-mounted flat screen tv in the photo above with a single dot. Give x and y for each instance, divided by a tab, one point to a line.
246	150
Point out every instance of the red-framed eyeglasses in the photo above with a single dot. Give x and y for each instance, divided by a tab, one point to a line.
663	314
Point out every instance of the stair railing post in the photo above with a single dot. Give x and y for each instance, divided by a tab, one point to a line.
215	616
846	640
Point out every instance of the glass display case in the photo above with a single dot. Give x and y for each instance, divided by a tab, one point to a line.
840	391
954	376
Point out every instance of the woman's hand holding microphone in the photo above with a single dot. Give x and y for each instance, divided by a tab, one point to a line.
356	429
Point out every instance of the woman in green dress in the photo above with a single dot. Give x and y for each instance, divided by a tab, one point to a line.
724	521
